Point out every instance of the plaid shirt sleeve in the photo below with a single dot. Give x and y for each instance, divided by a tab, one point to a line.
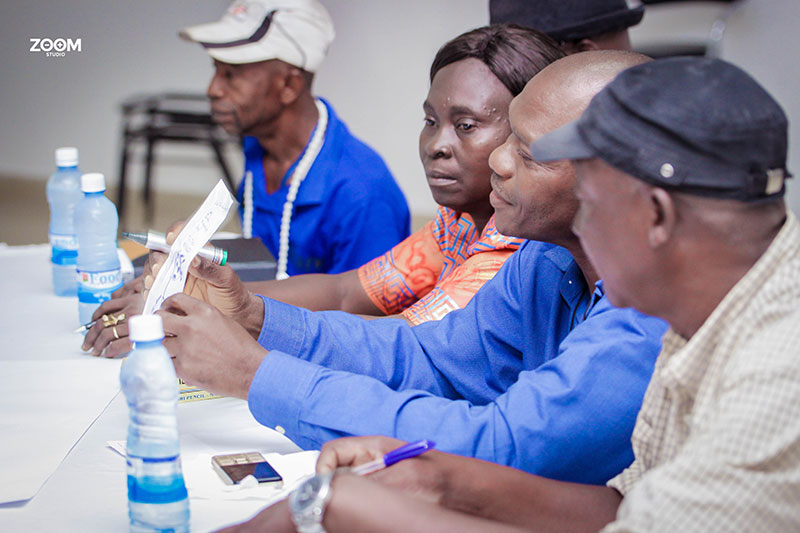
739	467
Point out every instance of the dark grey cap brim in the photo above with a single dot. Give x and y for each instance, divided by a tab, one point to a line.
563	143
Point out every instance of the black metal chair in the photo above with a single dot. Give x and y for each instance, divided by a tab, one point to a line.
177	117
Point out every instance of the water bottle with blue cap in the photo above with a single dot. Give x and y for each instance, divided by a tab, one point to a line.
63	194
96	222
157	497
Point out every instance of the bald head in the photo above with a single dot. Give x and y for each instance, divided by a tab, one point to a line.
536	201
565	87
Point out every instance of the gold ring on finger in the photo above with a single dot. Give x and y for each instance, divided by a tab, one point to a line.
111	320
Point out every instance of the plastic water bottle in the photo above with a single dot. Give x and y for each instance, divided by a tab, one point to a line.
63	194
96	224
157	498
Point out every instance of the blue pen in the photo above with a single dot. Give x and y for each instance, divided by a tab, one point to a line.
406	451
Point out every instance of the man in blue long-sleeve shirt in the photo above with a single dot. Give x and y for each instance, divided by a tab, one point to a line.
539	371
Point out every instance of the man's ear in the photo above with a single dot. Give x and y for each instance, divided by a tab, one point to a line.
293	86
584	45
663	217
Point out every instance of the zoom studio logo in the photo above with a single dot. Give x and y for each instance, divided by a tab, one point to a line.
54	47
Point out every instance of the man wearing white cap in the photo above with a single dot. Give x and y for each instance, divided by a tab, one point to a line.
320	199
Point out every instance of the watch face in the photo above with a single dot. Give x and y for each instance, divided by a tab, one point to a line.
307	493
307	503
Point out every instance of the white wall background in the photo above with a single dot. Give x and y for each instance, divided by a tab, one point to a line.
762	37
375	75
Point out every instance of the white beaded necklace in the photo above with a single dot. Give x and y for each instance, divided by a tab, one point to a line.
299	174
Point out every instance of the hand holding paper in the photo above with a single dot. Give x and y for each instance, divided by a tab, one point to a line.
216	285
202	341
171	278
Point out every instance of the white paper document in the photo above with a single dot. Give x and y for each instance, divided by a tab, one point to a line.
207	220
45	408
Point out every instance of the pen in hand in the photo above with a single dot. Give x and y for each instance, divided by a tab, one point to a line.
154	240
108	321
406	451
85	327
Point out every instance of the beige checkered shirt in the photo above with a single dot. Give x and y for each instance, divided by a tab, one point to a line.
717	441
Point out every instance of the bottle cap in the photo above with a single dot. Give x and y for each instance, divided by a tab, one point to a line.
67	156
143	328
93	182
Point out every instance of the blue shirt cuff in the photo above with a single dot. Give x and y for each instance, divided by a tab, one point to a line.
283	328
278	392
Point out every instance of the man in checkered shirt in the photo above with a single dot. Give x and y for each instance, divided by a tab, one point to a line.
682	214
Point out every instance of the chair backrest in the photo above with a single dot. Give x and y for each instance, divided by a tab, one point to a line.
171	114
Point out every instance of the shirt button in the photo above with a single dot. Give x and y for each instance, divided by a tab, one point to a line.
570	282
280	430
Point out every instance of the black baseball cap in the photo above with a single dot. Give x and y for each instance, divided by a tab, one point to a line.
567	20
695	125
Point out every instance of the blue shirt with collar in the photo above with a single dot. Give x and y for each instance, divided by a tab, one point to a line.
535	372
348	209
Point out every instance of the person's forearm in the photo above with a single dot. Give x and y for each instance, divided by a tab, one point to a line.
501	493
319	292
357	504
251	317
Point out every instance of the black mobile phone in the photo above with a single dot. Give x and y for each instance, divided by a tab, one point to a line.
234	467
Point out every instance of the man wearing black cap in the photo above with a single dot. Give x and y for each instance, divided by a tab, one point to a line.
578	25
682	214
681	166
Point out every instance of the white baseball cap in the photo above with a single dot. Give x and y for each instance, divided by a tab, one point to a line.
295	31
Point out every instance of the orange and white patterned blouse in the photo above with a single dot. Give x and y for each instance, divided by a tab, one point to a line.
437	269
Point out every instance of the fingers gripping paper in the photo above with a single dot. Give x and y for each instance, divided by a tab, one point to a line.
203	224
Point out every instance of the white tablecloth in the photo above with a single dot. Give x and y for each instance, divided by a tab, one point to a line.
58	427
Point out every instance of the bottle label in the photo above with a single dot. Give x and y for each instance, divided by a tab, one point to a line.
152	480
64	249
96	287
65	242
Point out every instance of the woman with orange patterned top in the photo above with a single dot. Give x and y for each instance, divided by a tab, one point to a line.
440	267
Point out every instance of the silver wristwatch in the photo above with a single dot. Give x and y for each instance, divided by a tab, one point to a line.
307	503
